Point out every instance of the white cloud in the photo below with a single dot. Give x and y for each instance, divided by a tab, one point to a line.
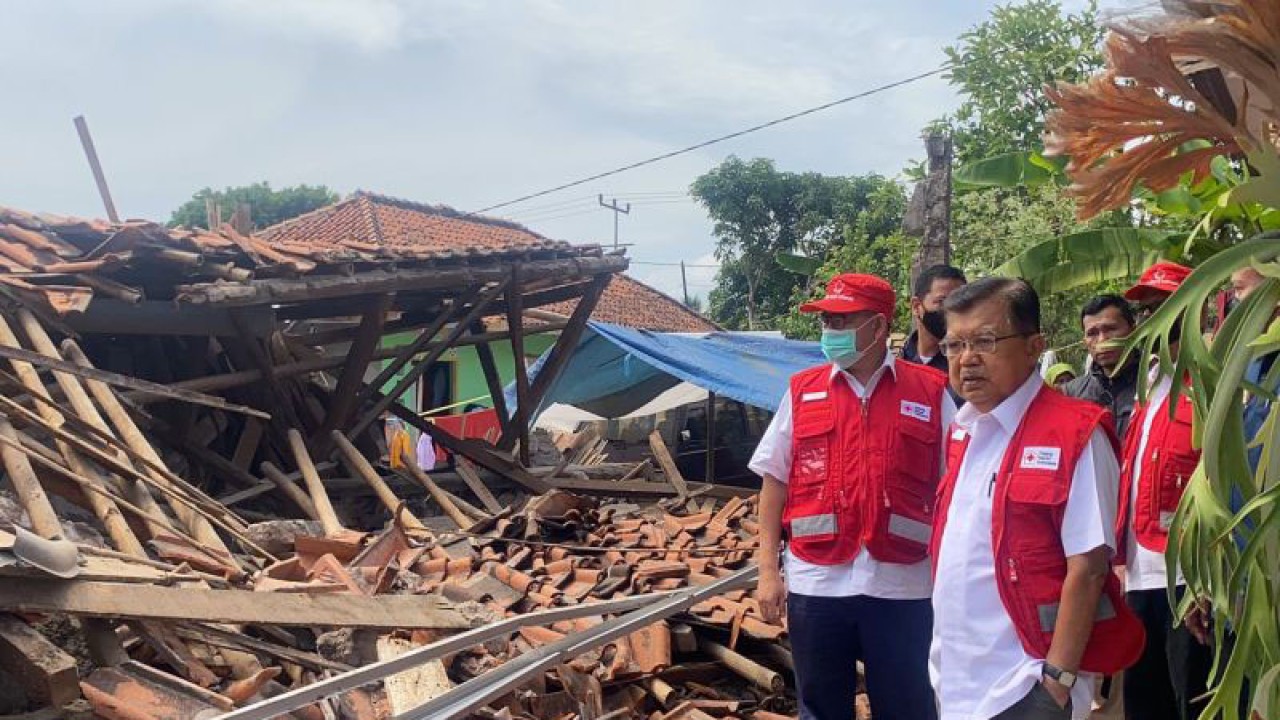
370	25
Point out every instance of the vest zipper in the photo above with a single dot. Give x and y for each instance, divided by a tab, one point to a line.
1013	570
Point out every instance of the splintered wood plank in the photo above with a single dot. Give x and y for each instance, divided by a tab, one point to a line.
118	600
46	673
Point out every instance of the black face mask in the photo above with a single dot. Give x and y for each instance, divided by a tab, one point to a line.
935	321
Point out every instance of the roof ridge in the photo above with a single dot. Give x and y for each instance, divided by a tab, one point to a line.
444	211
686	309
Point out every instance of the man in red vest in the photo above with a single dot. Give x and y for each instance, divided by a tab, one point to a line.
1158	461
850	465
1026	610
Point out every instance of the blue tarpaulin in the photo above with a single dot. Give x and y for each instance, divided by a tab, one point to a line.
615	370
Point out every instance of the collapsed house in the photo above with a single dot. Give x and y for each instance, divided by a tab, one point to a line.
205	521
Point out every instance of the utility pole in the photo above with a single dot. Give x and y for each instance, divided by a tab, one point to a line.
613	205
684	281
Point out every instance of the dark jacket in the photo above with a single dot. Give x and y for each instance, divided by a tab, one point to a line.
911	353
1117	393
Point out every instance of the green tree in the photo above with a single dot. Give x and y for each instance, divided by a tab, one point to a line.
1002	66
266	206
760	213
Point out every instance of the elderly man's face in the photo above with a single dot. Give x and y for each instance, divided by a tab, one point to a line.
1244	281
994	359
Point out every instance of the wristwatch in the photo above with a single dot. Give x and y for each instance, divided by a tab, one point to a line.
1064	678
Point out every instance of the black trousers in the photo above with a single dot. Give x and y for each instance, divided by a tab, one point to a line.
1174	667
829	635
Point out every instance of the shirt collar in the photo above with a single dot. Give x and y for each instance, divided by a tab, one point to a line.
1008	414
888	363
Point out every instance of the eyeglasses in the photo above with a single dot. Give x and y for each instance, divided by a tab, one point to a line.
980	345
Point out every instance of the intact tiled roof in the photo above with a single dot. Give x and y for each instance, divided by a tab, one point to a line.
627	301
370	222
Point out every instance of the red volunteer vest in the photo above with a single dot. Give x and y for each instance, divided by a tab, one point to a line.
1030	499
1167	466
864	475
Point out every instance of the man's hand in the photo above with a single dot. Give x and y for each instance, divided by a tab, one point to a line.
1197	621
771	592
1060	693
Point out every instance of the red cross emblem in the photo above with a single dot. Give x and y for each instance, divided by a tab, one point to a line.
1030	458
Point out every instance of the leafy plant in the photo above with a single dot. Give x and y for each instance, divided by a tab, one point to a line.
1143	130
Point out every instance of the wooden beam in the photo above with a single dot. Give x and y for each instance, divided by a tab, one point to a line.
709	474
473	450
472	478
561	351
146	387
644	488
315	488
476	312
290	490
403	280
186	604
351	379
44	671
515	325
226	381
31	493
491	377
442	499
361	468
663	455
404	354
110	316
286	415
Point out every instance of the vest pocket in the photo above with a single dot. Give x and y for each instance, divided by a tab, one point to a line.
918	451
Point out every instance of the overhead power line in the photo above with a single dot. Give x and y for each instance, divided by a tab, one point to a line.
705	143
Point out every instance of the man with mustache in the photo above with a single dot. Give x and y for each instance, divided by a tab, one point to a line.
1026	608
850	465
1105	320
1158	461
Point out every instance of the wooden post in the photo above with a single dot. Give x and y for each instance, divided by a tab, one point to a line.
99	178
106	511
315	488
561	352
406	353
472	479
361	468
668	464
475	313
352	377
289	489
515	326
461	519
710	474
491	377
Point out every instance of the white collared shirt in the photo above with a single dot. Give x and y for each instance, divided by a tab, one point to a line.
976	661
864	575
1146	569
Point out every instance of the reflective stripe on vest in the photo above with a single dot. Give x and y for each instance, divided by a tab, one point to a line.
905	527
812	525
1049	613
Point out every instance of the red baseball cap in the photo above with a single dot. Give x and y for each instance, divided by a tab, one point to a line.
854	292
1163	277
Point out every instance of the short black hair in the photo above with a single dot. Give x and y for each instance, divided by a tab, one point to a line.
926	278
1021	298
1098	303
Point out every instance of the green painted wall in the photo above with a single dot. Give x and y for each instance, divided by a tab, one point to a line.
467	377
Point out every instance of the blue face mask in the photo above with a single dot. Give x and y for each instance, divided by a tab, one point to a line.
841	346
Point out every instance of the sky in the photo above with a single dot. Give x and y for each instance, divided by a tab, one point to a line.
467	104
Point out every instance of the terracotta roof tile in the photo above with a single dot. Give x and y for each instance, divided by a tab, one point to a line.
631	303
368	221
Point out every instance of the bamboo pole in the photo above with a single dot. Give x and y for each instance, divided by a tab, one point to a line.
289	489
105	510
445	502
745	667
356	463
30	493
156	521
128	431
315	488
